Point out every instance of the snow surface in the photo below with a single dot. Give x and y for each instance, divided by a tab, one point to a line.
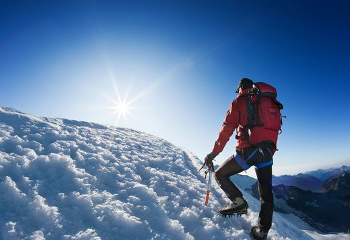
65	179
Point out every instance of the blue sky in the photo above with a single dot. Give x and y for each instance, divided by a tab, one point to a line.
181	61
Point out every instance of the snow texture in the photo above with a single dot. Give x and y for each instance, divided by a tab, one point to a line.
65	179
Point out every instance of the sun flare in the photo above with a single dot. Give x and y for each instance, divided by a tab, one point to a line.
123	109
121	106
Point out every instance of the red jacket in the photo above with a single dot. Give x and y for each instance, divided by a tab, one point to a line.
237	118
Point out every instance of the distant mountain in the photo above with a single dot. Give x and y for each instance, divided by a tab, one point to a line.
312	180
324	174
339	184
302	181
332	183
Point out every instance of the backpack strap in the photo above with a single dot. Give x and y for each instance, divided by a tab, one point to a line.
253	115
253	111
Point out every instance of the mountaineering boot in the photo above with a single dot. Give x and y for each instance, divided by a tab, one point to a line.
238	206
258	233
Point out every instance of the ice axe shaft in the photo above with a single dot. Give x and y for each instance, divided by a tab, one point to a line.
207	198
208	188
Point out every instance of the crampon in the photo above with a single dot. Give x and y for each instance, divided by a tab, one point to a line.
234	213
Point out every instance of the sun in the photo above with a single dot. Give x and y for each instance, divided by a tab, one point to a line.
121	106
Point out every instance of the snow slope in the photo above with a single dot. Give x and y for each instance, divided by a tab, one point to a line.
64	179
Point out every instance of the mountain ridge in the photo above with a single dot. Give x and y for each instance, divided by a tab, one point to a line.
311	180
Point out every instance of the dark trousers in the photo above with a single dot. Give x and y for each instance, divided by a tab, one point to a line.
251	156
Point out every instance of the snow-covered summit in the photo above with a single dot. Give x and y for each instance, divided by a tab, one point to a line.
64	179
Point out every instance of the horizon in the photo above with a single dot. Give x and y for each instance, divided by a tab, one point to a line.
171	69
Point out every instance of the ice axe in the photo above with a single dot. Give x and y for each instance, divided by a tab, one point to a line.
208	173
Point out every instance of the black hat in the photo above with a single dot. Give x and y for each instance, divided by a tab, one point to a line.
244	84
